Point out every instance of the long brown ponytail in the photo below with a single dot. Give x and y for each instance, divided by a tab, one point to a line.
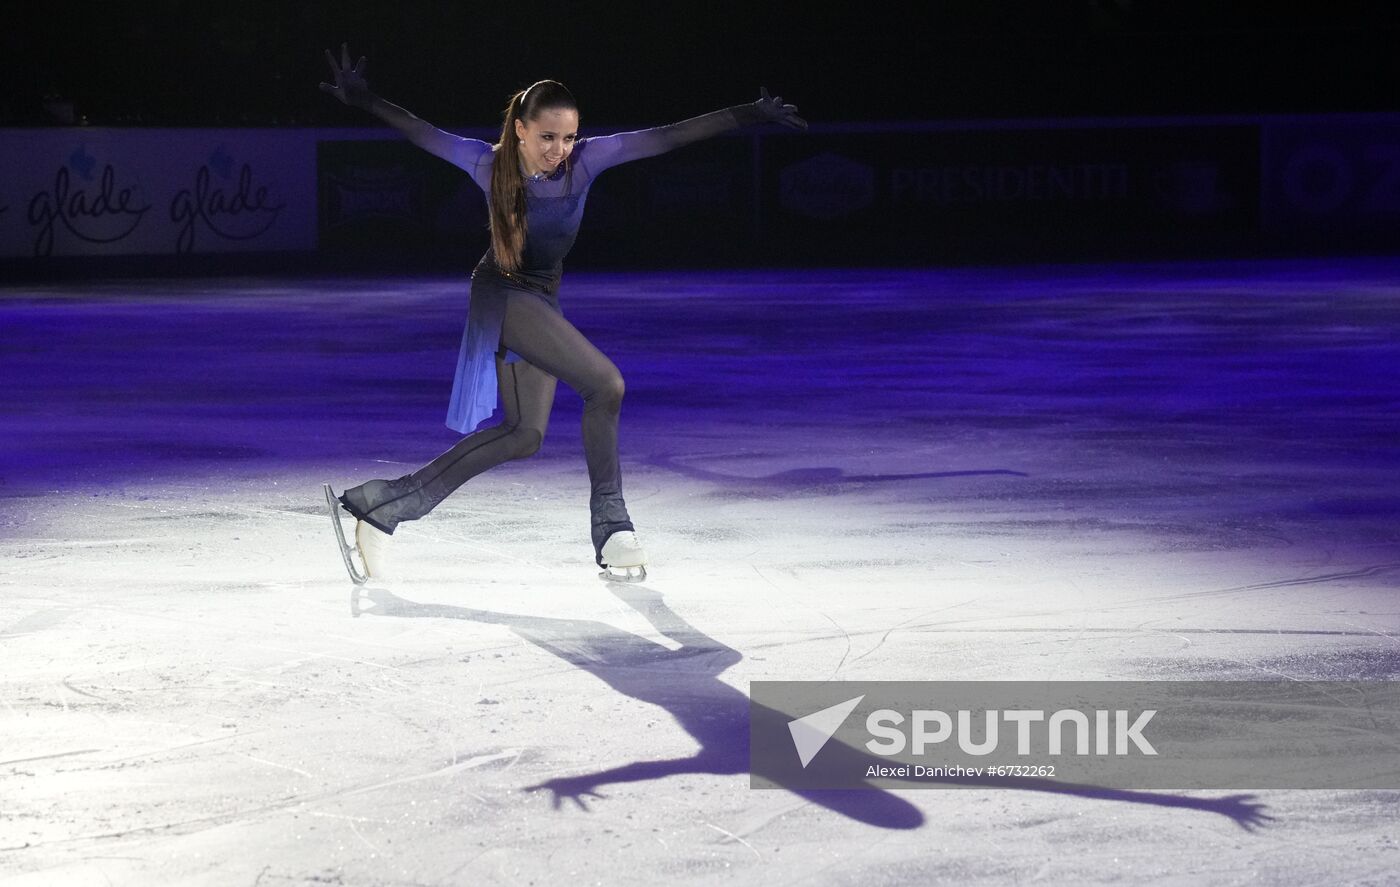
508	226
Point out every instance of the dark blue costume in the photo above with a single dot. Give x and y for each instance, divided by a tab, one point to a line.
517	343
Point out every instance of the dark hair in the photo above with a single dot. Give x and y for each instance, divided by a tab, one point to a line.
508	226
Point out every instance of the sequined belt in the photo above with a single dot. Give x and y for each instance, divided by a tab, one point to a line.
515	279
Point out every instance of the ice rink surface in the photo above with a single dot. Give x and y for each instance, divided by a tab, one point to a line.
1130	472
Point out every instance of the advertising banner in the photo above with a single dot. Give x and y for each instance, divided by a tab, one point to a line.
928	194
915	194
386	195
78	191
1333	183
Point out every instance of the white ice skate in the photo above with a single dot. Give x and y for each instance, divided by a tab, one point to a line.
373	545
623	559
347	553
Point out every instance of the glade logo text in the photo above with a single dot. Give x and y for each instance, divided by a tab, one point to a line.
929	727
104	216
240	213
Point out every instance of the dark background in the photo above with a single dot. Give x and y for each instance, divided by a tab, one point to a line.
257	62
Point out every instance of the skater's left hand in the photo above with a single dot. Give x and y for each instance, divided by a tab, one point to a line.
573	789
1247	813
773	110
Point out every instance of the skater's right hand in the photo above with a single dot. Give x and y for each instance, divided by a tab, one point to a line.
350	85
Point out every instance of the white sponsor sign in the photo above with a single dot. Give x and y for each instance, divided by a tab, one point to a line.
80	191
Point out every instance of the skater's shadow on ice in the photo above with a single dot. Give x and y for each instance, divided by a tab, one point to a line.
685	682
811	477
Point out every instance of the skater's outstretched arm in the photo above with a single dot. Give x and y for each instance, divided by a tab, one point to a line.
576	788
351	88
607	151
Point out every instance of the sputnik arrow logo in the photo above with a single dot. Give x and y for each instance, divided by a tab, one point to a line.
811	732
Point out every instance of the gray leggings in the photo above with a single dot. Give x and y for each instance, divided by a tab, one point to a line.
551	348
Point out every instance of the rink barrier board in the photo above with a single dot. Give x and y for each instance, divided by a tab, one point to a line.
846	193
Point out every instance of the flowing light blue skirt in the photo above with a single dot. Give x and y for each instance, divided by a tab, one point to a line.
474	388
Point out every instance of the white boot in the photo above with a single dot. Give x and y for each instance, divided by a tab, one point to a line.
623	558
373	544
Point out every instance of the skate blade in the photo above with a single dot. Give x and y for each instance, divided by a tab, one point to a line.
346	552
631	574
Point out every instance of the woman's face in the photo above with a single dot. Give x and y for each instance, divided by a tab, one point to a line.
547	140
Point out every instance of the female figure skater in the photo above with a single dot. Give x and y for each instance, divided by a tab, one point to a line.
517	342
